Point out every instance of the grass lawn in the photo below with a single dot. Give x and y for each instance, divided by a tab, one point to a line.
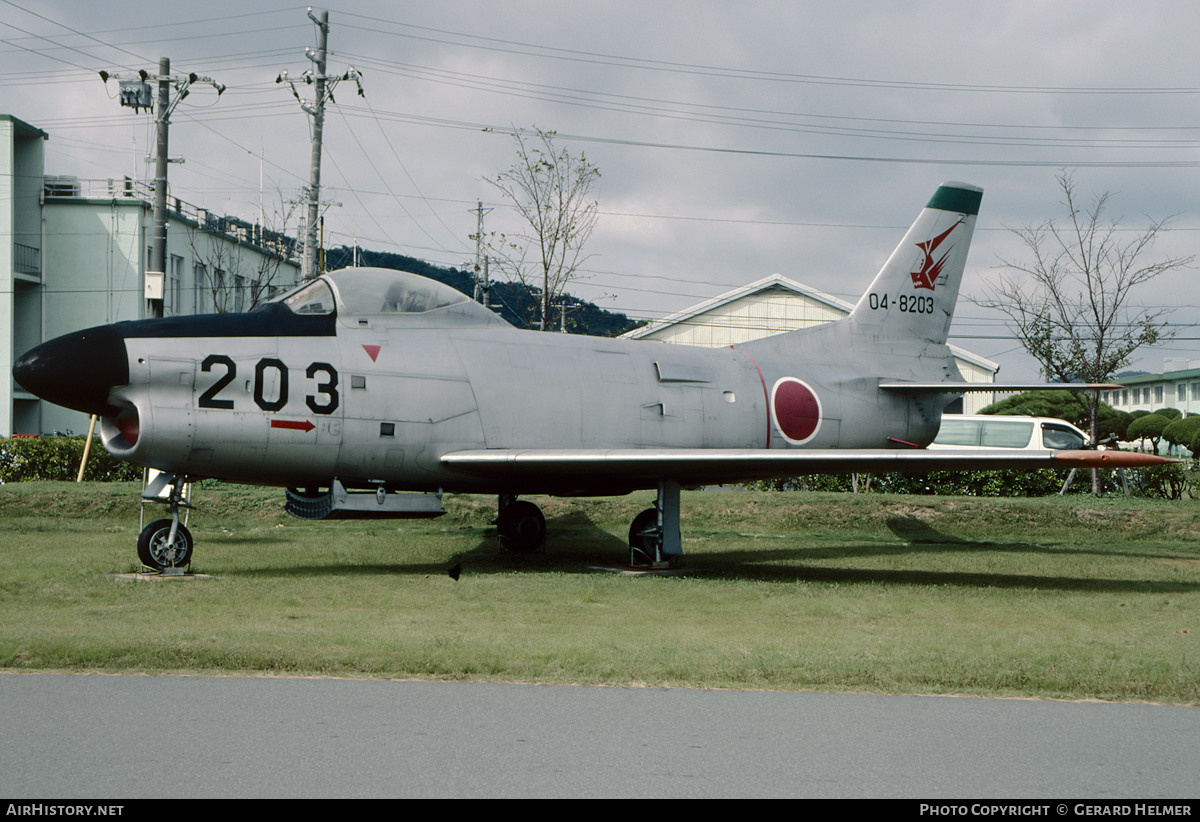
1061	598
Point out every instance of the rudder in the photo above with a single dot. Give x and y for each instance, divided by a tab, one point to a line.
914	294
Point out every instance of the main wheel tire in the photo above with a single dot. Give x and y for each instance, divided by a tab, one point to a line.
153	550
521	527
644	538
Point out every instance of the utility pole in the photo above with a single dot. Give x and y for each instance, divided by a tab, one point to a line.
480	288
156	274
309	267
487	283
563	308
309	264
136	94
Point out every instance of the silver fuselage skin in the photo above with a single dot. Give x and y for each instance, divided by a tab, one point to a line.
443	384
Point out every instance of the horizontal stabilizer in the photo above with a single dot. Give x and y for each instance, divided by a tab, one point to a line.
966	387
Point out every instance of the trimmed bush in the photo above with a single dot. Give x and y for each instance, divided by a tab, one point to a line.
23	459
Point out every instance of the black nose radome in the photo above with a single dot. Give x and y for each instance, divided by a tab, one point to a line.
77	370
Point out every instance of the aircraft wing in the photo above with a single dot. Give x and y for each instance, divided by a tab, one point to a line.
706	466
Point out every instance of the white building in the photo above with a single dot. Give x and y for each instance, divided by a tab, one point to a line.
76	257
772	306
1177	387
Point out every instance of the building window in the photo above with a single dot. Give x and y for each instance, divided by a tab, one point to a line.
203	301
1158	393
174	295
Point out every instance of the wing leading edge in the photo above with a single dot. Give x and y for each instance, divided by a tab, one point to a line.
704	466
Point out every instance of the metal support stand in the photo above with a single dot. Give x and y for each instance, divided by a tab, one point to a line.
671	545
1070	478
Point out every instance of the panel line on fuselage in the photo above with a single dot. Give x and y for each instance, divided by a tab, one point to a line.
766	394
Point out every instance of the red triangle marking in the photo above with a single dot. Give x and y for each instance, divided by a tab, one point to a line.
372	351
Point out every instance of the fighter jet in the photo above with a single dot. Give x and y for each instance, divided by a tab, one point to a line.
363	384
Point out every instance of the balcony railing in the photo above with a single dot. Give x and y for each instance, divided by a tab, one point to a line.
275	242
27	259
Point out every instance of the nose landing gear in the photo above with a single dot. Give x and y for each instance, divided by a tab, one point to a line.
165	545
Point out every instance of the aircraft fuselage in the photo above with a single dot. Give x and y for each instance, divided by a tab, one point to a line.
380	399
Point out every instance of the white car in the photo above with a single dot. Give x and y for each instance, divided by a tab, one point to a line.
997	431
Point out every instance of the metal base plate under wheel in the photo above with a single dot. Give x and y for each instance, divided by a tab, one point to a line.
156	550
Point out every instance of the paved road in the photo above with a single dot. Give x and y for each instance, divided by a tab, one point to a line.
122	737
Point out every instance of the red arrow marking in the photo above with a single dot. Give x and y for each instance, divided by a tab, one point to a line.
372	351
298	425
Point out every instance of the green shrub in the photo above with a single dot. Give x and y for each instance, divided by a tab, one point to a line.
1039	483
23	459
1174	481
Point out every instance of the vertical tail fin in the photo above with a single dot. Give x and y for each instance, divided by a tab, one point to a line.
913	295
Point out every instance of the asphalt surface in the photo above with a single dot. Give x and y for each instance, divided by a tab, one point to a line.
127	737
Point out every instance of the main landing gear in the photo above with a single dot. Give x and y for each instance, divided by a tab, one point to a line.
165	545
654	537
520	525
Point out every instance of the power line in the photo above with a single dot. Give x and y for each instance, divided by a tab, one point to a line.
541	51
741	117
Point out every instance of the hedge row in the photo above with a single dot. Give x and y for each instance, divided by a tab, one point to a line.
1176	481
23	459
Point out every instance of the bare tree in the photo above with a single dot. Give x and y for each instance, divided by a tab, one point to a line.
1069	302
235	278
550	189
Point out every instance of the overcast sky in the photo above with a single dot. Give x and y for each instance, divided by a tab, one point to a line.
735	139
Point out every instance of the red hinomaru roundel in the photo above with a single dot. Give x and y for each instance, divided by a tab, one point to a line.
796	410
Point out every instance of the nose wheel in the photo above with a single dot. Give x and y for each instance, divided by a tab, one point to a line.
166	544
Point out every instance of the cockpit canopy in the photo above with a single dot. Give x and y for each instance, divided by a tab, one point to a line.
378	291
